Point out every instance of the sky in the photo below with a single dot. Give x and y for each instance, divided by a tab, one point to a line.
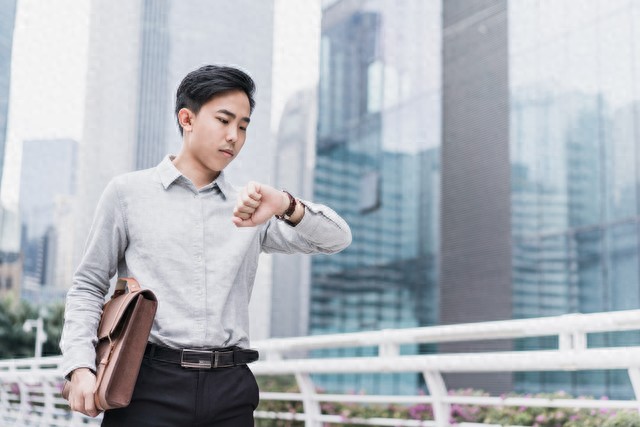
48	73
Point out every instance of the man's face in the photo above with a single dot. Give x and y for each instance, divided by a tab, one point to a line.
218	131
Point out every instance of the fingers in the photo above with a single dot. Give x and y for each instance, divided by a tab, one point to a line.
248	202
257	203
84	403
251	193
239	222
253	187
90	405
81	393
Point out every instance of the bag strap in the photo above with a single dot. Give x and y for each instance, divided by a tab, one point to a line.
123	283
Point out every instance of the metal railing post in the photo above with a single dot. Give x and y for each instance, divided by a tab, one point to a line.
634	376
49	390
24	401
387	347
438	390
310	404
572	341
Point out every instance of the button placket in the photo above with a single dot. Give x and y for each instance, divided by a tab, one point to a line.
199	267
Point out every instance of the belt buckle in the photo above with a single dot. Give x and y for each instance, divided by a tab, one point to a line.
216	360
200	362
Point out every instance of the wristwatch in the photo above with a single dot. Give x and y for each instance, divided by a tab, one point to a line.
286	216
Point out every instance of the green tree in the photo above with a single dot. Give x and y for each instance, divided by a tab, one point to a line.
15	342
53	322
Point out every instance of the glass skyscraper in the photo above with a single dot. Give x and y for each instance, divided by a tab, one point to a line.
9	257
575	152
7	22
377	164
47	186
487	157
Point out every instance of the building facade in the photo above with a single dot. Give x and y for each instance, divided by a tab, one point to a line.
475	281
7	23
10	260
294	165
377	164
574	91
48	183
528	190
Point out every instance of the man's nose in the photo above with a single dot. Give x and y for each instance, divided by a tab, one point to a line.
232	135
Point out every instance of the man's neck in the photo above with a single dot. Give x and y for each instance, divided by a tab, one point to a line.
197	173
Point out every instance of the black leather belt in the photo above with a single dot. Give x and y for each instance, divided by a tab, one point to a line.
202	358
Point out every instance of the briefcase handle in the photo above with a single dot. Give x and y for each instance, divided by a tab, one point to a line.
123	283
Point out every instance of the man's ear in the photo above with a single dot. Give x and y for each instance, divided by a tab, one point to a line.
184	117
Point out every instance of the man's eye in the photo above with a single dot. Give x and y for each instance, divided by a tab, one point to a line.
225	121
242	128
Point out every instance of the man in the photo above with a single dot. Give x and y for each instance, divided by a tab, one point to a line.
185	233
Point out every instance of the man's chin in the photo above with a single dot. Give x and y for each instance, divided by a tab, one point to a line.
217	168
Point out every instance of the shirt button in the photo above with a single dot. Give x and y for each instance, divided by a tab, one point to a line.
198	257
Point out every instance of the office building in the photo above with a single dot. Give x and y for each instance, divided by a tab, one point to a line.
377	164
532	169
574	119
295	160
7	22
48	174
10	257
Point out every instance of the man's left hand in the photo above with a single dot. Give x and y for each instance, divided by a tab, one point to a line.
257	203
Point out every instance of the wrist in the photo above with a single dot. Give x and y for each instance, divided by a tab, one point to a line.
297	214
80	372
284	205
289	206
294	210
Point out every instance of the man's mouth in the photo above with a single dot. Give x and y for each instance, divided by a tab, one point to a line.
227	153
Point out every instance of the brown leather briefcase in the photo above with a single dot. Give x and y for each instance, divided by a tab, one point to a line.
122	337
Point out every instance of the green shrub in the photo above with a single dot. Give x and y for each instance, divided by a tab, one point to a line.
623	419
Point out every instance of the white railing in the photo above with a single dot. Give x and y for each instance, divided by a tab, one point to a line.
29	388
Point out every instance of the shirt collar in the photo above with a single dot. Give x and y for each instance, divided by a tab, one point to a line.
225	188
169	174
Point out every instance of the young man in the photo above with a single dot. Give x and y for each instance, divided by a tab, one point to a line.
185	233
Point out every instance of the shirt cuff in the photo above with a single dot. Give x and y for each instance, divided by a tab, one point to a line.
78	358
307	226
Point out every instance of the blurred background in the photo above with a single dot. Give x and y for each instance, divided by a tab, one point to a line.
486	154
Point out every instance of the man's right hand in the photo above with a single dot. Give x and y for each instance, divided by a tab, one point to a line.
83	386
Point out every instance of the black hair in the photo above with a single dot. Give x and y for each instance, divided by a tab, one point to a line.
199	86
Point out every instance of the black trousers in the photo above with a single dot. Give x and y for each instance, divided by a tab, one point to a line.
168	395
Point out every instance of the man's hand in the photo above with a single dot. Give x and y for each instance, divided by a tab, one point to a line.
83	386
257	203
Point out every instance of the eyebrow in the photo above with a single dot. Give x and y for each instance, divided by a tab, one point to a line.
232	115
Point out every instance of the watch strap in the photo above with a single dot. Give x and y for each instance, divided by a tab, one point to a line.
290	210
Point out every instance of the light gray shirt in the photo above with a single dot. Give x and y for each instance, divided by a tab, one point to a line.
179	241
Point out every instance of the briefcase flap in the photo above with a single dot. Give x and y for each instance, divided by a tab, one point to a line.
116	309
